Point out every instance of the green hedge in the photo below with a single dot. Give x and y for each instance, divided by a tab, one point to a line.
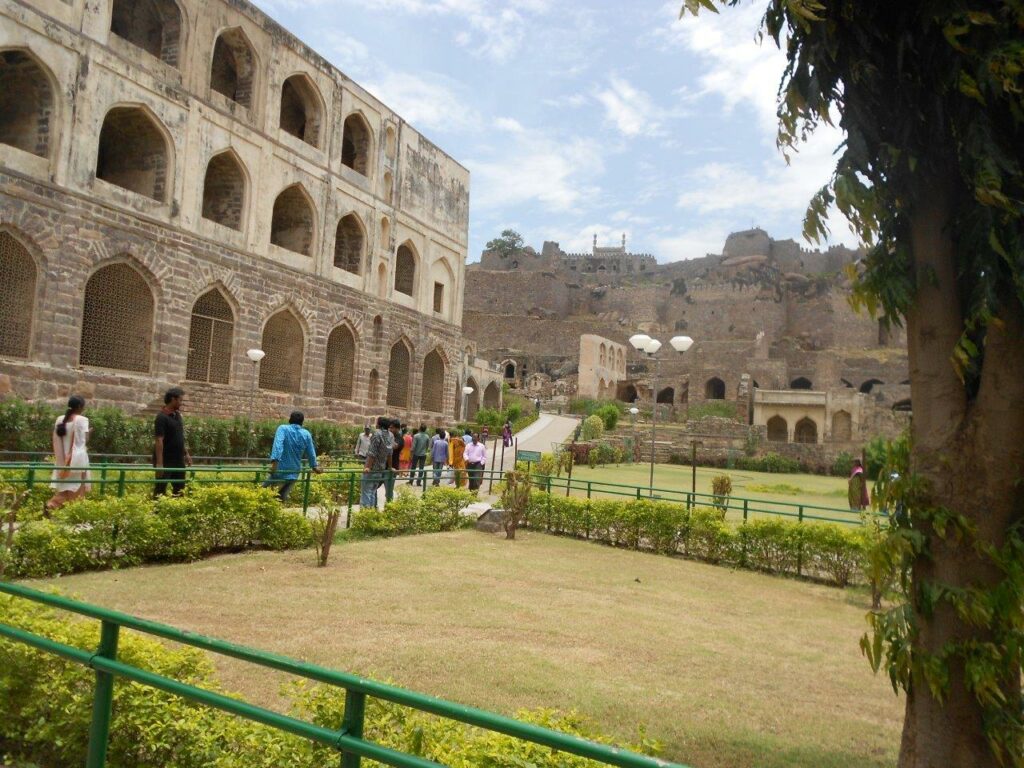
439	509
25	427
825	551
111	532
47	706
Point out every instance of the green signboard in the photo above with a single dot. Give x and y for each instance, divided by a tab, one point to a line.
527	455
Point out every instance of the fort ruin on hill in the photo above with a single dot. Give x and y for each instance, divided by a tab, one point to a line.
776	337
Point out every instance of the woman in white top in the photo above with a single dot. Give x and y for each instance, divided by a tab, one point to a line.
71	459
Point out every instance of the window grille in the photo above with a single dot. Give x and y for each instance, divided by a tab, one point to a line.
17	297
117	321
210	339
284	342
398	376
341	363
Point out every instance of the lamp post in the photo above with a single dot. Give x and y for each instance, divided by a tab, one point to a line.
641	342
466	392
254	355
632	416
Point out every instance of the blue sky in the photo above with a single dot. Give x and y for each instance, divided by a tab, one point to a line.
590	117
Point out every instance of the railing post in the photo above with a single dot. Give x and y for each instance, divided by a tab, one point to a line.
103	480
31	481
589	487
120	484
305	493
800	549
746	504
352	724
103	699
351	496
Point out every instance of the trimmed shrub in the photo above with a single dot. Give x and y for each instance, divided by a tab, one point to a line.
609	414
770	462
771	545
439	509
593	428
843	465
47	706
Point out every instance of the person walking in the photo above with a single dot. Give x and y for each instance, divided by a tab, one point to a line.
506	434
476	459
485	433
438	455
378	458
70	478
170	453
363	444
397	445
457	458
857	488
420	446
405	457
292	443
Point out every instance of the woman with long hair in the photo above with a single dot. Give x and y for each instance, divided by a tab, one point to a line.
71	459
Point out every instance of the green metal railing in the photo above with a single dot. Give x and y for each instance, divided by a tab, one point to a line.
117	478
347	740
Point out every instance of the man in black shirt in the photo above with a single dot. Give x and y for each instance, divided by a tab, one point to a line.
170	454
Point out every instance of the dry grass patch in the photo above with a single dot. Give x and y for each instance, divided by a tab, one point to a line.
726	668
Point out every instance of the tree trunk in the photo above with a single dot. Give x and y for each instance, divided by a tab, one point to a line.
971	454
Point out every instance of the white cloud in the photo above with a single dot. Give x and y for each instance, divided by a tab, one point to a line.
629	109
691	243
347	53
428	103
536	169
508	124
573	100
495	30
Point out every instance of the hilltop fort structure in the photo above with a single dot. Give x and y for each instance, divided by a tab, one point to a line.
182	181
776	337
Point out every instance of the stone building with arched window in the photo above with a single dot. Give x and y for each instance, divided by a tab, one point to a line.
218	187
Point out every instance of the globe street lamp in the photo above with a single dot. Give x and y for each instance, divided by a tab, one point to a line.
641	342
254	355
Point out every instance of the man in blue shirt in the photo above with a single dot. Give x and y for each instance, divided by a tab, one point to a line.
291	442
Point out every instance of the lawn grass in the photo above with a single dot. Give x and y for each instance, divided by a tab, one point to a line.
778	491
727	669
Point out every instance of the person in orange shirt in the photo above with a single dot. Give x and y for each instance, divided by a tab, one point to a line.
405	456
457	458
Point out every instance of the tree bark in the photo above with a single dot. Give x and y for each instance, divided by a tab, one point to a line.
971	455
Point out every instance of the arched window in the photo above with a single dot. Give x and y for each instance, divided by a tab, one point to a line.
806	431
341	363
433	382
390	142
349	243
389	188
714	389
398	375
902	406
224	190
26	104
382	281
628	394
133	153
492	396
355	144
385	234
801	383
17	297
405	270
667	396
300	109
472	399
620	361
778	430
210	339
373	393
510	370
117	320
284	342
378	329
870	384
292	223
233	67
152	25
842	426
602	357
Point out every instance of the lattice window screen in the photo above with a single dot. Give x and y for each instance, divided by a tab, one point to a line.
341	363
17	297
433	383
398	376
374	387
283	341
405	271
117	322
210	339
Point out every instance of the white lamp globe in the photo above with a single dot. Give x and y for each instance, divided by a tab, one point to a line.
681	343
467	390
652	346
255	355
634	410
639	341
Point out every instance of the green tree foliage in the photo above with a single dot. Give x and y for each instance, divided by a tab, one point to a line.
509	243
930	97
